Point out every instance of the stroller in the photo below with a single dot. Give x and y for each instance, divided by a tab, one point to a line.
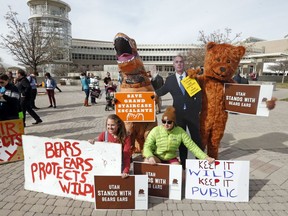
95	91
110	93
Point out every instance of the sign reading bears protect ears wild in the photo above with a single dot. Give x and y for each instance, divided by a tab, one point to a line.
135	106
11	140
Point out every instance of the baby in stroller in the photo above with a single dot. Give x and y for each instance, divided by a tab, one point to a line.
110	93
95	91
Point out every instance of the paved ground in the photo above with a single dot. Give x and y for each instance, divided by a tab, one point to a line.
261	140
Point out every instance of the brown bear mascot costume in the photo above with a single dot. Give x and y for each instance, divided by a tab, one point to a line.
221	62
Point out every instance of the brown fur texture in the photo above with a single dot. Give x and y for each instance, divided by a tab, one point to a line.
135	79
221	62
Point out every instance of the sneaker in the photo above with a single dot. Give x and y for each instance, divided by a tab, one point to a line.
37	122
50	106
54	106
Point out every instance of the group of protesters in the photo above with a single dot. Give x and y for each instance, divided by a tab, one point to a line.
18	95
163	141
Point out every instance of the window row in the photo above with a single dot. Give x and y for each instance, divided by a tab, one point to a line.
93	57
163	49
93	48
141	49
157	58
113	58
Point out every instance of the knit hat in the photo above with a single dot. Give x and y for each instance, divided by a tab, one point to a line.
169	114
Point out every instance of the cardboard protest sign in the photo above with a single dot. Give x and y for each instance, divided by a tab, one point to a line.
220	181
135	106
164	180
114	192
11	140
248	99
191	85
66	167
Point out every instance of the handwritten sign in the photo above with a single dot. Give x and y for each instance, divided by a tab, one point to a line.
114	192
66	168
248	99
191	86
135	106
164	180
220	181
11	140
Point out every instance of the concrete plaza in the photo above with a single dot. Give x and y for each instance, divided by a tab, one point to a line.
261	140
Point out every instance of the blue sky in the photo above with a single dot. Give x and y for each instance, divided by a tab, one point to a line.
165	21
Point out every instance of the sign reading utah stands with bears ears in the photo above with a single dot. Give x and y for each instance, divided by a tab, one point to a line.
114	192
248	99
135	106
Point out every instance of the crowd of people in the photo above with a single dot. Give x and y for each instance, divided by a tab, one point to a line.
163	142
18	95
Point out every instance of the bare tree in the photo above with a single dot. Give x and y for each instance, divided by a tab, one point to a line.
28	43
219	37
279	67
2	69
195	57
61	70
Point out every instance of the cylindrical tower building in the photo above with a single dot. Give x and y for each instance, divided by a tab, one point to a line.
53	15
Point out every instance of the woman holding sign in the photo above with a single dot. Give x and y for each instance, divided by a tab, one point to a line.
164	140
116	133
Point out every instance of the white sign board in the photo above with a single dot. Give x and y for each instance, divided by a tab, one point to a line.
220	181
65	167
115	192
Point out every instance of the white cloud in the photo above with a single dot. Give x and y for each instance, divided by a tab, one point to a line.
166	21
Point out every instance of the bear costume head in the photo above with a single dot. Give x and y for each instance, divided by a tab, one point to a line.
222	60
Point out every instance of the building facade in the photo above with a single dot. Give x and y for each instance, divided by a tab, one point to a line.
81	55
264	53
90	55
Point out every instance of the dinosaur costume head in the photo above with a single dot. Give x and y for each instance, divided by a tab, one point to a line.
222	60
130	64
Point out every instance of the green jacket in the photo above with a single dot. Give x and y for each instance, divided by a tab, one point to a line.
164	144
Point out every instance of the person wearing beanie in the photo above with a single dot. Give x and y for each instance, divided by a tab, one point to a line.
187	108
163	141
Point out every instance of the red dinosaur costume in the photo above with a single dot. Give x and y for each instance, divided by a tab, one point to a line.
221	62
134	79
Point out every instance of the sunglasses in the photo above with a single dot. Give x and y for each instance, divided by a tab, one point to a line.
167	122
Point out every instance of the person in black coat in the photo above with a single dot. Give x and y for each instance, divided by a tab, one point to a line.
239	79
187	108
9	99
24	88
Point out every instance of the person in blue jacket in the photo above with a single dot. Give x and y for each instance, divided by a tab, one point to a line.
85	81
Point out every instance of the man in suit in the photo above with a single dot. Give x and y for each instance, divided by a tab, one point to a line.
187	108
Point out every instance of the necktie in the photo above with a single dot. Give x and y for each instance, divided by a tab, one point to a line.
181	86
183	90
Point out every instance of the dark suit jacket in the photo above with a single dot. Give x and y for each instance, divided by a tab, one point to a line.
193	104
